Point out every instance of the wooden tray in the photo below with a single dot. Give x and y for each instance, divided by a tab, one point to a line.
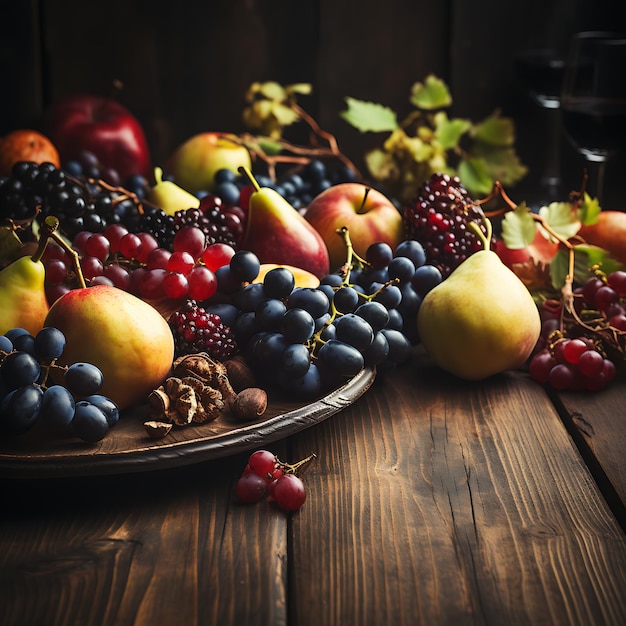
128	448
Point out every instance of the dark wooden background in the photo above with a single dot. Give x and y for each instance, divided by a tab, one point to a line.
187	64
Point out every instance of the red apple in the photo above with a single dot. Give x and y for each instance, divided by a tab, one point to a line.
194	163
369	219
540	250
102	126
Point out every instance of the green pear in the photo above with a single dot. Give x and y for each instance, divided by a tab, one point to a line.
278	234
23	301
169	196
481	320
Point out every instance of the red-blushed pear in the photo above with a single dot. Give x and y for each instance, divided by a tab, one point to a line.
102	126
369	215
278	234
127	338
195	162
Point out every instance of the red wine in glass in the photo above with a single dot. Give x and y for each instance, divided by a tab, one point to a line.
593	98
596	126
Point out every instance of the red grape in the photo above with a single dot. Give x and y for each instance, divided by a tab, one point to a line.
289	492
251	488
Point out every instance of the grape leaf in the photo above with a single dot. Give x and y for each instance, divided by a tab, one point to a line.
369	116
473	174
302	88
502	164
433	93
495	130
447	131
270	90
518	228
585	257
589	210
561	218
283	114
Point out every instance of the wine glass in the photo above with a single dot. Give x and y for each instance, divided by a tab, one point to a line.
540	71
593	99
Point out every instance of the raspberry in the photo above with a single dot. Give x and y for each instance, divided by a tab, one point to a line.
195	330
439	220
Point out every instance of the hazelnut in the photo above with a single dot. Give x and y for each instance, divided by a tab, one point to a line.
240	373
249	404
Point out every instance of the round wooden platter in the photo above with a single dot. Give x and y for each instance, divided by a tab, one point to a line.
129	448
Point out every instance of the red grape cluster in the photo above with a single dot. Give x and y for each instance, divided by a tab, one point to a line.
136	263
265	476
575	342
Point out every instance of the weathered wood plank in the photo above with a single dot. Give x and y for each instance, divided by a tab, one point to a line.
169	547
439	502
597	422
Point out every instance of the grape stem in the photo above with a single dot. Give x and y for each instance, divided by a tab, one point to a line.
608	333
49	227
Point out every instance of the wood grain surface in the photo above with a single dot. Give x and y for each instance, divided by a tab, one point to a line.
431	502
452	503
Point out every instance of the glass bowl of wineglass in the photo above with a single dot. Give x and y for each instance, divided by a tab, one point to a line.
593	99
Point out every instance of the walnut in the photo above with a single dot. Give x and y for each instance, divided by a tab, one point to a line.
157	430
185	400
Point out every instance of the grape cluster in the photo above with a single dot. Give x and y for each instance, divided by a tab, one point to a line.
79	204
306	340
298	185
29	393
220	222
573	351
439	219
136	263
266	476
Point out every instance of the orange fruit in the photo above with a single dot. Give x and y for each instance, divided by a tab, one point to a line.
609	232
26	145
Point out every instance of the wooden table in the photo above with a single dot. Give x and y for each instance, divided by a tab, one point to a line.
432	501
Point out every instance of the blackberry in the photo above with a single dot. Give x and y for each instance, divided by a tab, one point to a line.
196	330
160	225
439	220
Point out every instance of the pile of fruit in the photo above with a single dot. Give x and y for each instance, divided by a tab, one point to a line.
308	276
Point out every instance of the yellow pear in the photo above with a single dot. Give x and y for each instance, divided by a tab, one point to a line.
481	320
23	301
169	196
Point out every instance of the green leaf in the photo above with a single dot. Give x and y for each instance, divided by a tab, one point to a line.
518	228
473	174
589	210
448	132
495	130
272	91
369	116
284	114
301	88
561	218
433	93
269	147
380	164
502	164
585	257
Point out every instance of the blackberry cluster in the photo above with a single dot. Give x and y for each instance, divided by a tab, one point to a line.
439	220
196	330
